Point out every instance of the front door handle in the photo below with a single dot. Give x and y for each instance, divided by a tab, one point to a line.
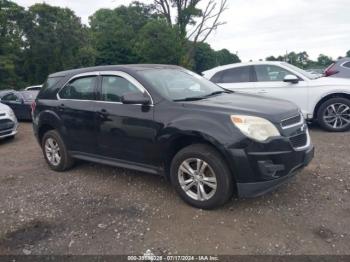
262	91
61	107
103	113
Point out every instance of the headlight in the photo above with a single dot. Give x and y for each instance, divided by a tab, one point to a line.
255	127
11	114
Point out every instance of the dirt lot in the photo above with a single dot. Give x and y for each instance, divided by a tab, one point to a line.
95	209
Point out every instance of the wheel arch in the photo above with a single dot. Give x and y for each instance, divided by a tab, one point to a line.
180	141
327	97
49	120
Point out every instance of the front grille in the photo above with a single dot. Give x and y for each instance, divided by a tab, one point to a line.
299	140
2	114
291	121
6	124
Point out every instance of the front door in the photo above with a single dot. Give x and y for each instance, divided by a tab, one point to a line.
124	132
269	82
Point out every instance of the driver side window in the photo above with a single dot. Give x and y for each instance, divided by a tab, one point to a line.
270	73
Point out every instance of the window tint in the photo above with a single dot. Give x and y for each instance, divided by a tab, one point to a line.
347	64
50	82
267	73
114	87
10	97
217	77
80	89
236	75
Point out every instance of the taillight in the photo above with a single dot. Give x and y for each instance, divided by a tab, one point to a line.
330	70
33	105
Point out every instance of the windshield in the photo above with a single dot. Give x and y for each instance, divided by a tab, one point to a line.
301	71
180	85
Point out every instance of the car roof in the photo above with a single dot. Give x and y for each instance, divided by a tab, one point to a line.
126	68
219	68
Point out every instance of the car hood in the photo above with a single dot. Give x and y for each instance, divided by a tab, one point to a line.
4	108
330	81
272	109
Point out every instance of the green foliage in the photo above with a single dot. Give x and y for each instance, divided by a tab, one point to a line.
158	43
302	60
56	40
206	58
348	53
11	24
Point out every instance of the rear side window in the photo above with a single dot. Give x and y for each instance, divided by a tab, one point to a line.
114	87
79	89
347	64
50	82
217	77
236	75
10	97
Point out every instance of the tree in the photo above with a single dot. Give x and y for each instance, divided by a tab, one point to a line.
324	61
114	32
348	53
12	19
225	57
158	43
55	41
187	14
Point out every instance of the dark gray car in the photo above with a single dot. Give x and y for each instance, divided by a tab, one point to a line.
341	68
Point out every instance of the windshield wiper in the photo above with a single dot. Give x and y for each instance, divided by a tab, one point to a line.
195	98
219	92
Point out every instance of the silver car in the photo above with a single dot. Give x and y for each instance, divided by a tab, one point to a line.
341	68
8	122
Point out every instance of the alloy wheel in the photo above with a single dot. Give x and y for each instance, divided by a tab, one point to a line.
197	179
52	151
337	116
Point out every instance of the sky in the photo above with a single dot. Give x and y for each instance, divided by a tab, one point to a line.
256	29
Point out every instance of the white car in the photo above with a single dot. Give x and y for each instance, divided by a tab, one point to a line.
324	99
33	88
8	122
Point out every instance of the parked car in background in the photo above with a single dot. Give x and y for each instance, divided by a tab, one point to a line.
33	88
318	72
5	92
8	122
169	121
341	68
323	99
20	102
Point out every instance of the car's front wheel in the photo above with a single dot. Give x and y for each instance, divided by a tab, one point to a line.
334	114
201	177
55	151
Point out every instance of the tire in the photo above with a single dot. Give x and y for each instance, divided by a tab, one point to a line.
52	139
216	168
326	115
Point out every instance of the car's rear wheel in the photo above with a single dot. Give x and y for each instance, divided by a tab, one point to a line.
334	114
201	177
55	151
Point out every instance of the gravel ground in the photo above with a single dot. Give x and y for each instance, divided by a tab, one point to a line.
96	209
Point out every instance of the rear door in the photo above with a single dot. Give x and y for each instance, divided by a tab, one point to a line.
124	132
77	109
237	78
269	82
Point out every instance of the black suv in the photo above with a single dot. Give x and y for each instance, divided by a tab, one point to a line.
167	120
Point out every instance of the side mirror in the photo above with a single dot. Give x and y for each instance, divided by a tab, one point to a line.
291	79
136	99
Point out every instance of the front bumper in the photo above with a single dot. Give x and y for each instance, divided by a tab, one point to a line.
8	127
254	189
261	167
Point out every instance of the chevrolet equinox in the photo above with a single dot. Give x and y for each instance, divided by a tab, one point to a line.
166	120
